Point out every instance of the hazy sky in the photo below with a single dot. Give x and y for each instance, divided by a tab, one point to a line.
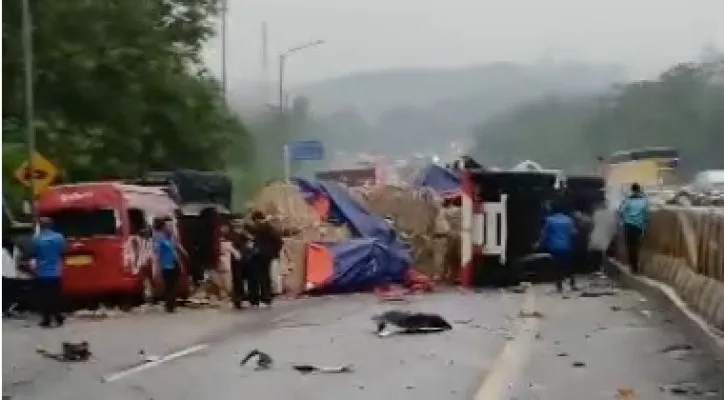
643	35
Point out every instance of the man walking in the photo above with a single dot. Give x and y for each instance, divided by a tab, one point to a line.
47	248
557	238
634	213
164	249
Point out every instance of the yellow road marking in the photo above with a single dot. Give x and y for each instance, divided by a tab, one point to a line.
514	354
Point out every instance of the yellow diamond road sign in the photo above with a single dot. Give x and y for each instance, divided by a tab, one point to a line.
44	173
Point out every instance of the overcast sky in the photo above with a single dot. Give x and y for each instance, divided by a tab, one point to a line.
642	35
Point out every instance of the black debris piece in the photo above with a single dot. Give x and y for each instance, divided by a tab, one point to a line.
71	352
263	360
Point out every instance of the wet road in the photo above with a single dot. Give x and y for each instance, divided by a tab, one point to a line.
493	352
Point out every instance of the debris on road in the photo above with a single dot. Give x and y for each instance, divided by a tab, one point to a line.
626	394
598	293
687	388
263	360
100	313
533	314
71	352
308	368
148	357
408	322
677	347
579	364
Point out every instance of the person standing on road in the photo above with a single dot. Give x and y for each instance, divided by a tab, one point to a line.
634	212
604	228
557	238
167	259
267	244
222	274
47	249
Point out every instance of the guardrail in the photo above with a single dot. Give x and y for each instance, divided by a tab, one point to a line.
684	248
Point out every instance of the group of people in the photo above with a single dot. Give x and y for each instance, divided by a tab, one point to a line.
563	231
243	268
247	253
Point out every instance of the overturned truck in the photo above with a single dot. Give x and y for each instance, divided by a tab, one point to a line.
502	216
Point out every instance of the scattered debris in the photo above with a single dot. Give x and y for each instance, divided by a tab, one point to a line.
534	314
646	313
598	293
687	388
308	368
615	308
71	352
562	354
677	347
263	360
408	322
626	394
148	357
538	336
99	313
579	364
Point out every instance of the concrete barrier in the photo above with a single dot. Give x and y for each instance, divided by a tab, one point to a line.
684	248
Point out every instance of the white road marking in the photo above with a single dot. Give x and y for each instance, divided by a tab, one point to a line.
513	356
151	364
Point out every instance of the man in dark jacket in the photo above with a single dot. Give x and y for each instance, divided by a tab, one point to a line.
239	267
266	246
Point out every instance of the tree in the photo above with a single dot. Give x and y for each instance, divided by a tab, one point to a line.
683	108
120	87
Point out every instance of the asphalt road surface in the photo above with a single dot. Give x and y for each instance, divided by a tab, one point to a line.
504	345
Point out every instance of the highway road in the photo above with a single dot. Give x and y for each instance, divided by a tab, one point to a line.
505	344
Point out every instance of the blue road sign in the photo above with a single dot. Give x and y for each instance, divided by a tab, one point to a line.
309	150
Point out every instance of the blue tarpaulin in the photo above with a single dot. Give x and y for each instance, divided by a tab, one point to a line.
442	180
374	257
362	264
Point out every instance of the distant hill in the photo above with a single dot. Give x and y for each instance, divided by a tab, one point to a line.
390	110
376	92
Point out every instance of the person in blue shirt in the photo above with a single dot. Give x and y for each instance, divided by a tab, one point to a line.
557	238
164	249
47	249
634	214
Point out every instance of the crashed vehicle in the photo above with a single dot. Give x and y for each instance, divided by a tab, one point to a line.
204	204
109	256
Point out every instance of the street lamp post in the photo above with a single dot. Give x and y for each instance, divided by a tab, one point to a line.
282	61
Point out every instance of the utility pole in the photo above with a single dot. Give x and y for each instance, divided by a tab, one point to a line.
265	62
27	28
224	10
282	61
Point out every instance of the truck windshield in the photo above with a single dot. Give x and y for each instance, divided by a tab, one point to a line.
85	223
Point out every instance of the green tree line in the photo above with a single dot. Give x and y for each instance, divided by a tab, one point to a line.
683	108
120	89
